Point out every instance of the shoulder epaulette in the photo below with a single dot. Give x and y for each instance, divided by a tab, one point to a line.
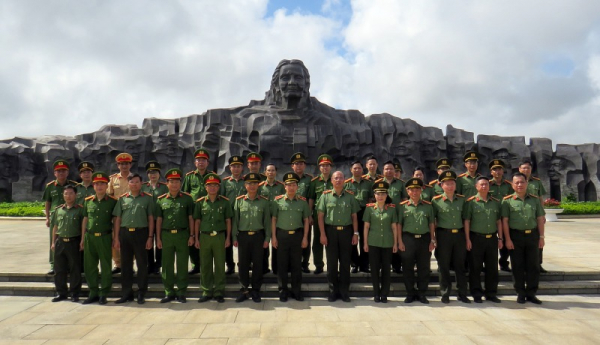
462	175
437	197
426	202
535	178
404	202
201	199
263	197
459	195
110	196
278	182
507	197
279	196
391	205
188	194
51	182
471	198
314	178
371	204
379	180
124	194
348	180
191	172
309	175
262	183
146	194
224	197
349	192
115	174
227	178
491	197
328	191
401	180
146	183
240	197
365	176
159	182
300	197
426	186
162	196
91	197
60	206
433	182
507	181
261	174
533	195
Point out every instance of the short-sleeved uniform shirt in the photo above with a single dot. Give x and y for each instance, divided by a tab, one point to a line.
317	186
437	188
134	210
304	185
380	224
270	191
83	192
448	213
99	213
232	188
54	193
251	215
427	193
338	208
68	220
396	191
290	212
522	213
213	214
500	190
156	191
465	185
193	184
483	214
363	190
416	218
535	187
175	211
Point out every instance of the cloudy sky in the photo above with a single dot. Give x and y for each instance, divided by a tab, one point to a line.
522	67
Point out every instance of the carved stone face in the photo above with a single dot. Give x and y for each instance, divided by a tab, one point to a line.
556	166
292	81
403	145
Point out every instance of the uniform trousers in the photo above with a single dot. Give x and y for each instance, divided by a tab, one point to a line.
452	251
154	257
97	250
339	251
483	253
133	244
525	263
194	256
360	258
67	264
416	253
250	252
317	247
289	257
229	257
50	251
381	261
175	255
212	252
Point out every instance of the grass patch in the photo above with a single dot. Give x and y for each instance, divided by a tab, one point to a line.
589	207
22	209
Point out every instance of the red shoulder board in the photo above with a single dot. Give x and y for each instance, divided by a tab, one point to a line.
426	202
348	180
124	194
162	196
91	197
240	197
279	196
371	204
404	202
227	178
349	192
471	198
462	175
365	176
262	183
378	180
300	197
508	197
327	191
391	205
437	197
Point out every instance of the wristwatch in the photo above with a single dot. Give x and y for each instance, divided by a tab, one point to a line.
356	233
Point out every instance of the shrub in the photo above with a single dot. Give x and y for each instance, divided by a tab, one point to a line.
590	207
22	209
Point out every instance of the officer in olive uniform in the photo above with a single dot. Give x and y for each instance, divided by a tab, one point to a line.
298	162
318	185
53	197
251	235
450	235
254	162
174	235
371	164
231	187
212	215
363	191
193	184
155	188
66	244
499	188
134	235
380	239
416	240
117	186
270	188
290	227
523	224
483	230
85	188
427	191
337	209
98	234
442	164
465	182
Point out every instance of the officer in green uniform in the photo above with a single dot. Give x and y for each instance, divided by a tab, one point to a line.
53	197
499	188
363	191
416	240
523	224
483	230
254	162
269	189
66	244
371	164
536	188
231	187
337	209
427	191
98	236
193	184
442	164
155	188
398	170
290	227
251	235
318	185
134	235
465	182
85	187
174	235
380	239
450	235
212	215
298	162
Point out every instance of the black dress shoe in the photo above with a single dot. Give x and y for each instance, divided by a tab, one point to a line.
305	269
116	270
542	270
141	299
220	299
256	297
423	300
521	299
167	299
50	273
229	271
283	297
463	299
266	270
102	300
332	297
181	299
493	299
194	270
346	298
242	297
204	299
477	299
446	299
59	298
298	297
318	270
354	270
383	299
534	300
505	269
124	299
90	300
377	299
409	299
75	298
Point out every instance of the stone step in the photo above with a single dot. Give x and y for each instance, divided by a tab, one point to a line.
309	289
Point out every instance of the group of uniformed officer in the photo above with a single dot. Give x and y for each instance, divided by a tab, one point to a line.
368	222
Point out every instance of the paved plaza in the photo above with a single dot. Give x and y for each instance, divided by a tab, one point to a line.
572	245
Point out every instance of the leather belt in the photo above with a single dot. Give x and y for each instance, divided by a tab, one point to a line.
484	235
98	234
526	232
69	239
211	233
338	228
415	235
250	233
175	231
454	231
